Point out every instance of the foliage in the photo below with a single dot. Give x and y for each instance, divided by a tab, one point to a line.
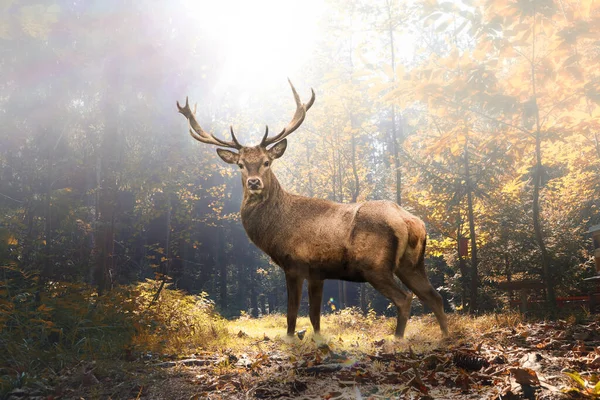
174	322
68	322
589	388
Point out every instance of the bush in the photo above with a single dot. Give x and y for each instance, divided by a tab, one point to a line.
68	322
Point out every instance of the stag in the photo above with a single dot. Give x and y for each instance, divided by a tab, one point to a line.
314	239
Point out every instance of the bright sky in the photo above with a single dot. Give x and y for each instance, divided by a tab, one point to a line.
265	41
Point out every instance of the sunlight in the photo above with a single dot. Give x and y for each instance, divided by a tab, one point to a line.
262	41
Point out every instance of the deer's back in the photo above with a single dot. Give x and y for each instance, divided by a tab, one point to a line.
323	239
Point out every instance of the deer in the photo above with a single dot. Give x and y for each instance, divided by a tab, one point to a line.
316	239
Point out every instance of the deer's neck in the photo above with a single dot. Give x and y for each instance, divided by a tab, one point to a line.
262	215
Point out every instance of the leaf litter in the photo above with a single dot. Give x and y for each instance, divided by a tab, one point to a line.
537	360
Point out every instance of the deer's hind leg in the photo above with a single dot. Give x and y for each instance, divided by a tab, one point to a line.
420	285
415	278
387	285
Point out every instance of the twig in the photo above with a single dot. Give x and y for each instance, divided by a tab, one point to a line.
10	198
156	296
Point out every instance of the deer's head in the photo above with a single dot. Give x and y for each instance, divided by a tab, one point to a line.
254	162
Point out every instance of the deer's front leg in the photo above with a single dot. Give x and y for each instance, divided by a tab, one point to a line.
294	292
315	298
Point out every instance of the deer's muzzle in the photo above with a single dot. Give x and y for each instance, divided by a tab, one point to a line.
254	184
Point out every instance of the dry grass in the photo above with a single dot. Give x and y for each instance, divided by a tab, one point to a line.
277	363
350	330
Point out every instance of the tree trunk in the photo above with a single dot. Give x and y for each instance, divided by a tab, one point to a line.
103	248
363	297
221	264
508	275
396	158
28	243
394	135
308	162
537	227
253	295
473	306
537	183
462	266
47	254
106	185
168	254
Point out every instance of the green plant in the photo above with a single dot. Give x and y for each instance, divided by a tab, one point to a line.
588	386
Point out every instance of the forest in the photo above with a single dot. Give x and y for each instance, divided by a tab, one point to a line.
121	238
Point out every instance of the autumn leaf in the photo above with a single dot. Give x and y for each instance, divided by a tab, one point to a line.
525	376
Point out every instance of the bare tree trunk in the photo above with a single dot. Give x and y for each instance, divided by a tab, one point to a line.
462	266
106	189
396	158
46	264
334	176
394	138
308	162
221	264
473	306
253	295
537	226
363	297
28	238
356	190
103	248
168	255
537	182
508	274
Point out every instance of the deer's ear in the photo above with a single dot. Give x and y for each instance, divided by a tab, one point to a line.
277	150
228	156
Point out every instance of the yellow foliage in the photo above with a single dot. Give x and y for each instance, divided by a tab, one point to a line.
12	241
75	322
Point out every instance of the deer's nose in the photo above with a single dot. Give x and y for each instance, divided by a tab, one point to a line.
254	183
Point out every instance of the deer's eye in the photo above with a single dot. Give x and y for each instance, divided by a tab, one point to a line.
241	166
266	164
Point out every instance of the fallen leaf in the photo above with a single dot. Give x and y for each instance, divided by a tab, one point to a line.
525	376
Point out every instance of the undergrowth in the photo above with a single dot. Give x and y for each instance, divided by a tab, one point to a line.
44	332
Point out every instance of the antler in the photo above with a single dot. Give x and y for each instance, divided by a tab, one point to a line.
296	121
199	134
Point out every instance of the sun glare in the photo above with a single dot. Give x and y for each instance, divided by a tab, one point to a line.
264	41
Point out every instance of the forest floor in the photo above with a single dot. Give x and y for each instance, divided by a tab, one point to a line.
488	357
